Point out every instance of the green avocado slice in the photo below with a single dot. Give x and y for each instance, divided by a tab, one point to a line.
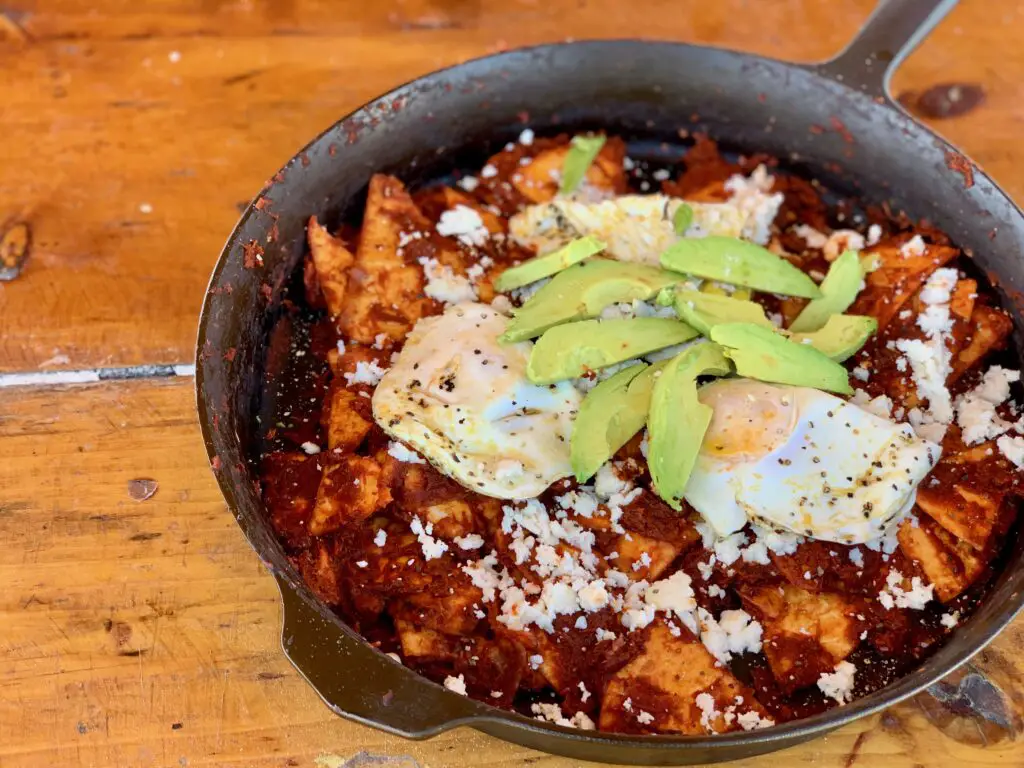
678	420
583	291
581	155
841	337
611	413
538	268
760	353
731	260
571	350
839	289
705	310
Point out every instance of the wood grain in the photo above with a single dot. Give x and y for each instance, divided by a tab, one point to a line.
146	633
132	132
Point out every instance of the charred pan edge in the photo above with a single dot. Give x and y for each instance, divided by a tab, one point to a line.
237	306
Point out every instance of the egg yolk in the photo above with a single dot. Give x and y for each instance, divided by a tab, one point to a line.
751	419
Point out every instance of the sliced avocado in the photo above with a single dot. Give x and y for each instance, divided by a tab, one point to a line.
760	353
722	289
532	270
678	420
568	351
583	291
838	291
706	310
731	260
842	336
581	155
682	218
611	413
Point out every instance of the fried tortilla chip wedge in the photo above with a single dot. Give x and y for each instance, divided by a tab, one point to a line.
350	491
665	681
950	565
887	364
970	514
538	180
332	261
805	633
989	330
897	279
385	287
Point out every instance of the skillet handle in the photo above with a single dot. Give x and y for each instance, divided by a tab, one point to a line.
359	682
894	29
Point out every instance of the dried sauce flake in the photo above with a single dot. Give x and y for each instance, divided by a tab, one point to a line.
142	488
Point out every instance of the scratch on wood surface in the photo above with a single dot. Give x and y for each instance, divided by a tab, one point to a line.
10	25
855	749
364	759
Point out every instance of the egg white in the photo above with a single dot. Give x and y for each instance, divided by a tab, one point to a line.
636	228
805	461
463	401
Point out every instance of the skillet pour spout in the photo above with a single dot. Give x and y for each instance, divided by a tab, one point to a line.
642	89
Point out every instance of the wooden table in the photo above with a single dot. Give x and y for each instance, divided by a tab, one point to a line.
145	632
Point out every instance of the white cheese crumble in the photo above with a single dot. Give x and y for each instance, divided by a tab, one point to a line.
913	247
672	595
471	541
752	721
930	359
976	410
734	632
365	373
526	137
752	197
950	620
874	234
842	240
463	223
444	285
553	714
432	548
311	449
811	236
708	711
398	451
380	538
1013	449
644	718
455	684
838	685
894	596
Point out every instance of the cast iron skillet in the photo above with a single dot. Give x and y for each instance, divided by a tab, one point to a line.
834	121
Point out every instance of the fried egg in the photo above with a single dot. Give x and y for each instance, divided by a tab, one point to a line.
805	461
463	401
639	228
